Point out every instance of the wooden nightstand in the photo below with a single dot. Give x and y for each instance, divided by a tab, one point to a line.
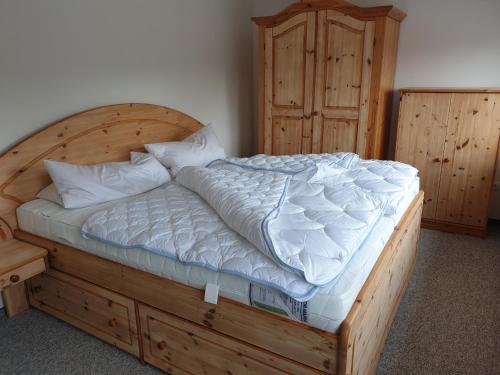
19	261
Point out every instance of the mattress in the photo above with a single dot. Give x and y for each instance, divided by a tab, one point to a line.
326	310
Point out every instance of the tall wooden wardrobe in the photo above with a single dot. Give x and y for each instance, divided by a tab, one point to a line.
326	78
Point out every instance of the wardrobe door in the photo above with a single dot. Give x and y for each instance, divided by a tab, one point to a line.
342	88
289	81
420	140
470	154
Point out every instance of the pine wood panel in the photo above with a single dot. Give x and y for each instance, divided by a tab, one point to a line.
281	342
15	299
302	343
14	254
365	329
364	104
382	87
453	138
21	273
287	135
18	262
289	51
339	135
470	155
171	343
343	65
289	67
111	132
100	312
343	74
420	141
341	6
348	67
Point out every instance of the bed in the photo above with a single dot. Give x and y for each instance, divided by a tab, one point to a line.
154	308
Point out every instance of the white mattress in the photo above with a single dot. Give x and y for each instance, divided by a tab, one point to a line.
326	310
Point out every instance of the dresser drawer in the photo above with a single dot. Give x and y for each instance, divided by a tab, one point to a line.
181	347
22	273
102	313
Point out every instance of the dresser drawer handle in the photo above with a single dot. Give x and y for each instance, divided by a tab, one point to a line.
14	278
162	345
113	322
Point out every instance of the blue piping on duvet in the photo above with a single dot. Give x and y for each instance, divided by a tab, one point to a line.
301	298
265	235
274	213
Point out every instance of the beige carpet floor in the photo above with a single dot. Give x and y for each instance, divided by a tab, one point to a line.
448	322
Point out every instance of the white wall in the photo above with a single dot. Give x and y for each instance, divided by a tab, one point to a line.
443	43
449	43
58	57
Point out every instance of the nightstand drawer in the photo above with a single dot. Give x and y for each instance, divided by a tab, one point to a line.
22	273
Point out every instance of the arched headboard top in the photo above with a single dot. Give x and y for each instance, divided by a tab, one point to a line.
99	135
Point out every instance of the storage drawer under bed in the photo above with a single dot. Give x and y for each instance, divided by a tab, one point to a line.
195	349
98	311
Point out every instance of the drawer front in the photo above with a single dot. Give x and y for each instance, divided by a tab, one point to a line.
22	273
180	347
102	313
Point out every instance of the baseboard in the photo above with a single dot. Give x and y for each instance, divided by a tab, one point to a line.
453	228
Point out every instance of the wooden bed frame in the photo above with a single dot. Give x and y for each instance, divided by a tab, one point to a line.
168	324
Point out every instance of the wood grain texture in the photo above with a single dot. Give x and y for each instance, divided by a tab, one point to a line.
302	343
471	149
98	311
15	299
14	254
365	329
281	343
110	133
382	87
172	343
420	137
339	135
18	262
325	62
289	60
453	139
22	273
99	295
337	5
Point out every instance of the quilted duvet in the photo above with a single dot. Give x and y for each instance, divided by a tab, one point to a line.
290	222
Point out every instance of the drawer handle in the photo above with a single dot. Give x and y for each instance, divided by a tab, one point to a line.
113	322
14	278
162	345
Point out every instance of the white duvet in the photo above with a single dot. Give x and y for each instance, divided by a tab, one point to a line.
292	223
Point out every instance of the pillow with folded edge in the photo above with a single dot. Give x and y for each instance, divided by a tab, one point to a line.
78	186
197	150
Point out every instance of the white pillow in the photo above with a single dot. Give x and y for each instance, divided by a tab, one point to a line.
88	185
50	194
197	150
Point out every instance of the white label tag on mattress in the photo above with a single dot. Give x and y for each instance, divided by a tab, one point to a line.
211	293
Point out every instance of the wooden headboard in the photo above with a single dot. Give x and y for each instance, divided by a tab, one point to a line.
99	135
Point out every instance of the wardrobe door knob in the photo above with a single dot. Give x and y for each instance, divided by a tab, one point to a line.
14	278
162	345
